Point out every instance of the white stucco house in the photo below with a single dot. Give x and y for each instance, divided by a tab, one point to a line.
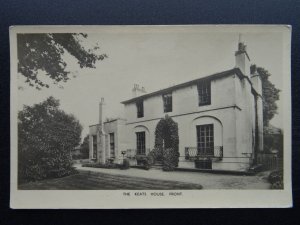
219	117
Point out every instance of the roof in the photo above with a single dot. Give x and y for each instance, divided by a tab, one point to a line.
214	76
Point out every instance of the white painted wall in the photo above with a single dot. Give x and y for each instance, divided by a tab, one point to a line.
185	100
231	111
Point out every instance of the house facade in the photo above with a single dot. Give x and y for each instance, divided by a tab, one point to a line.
219	117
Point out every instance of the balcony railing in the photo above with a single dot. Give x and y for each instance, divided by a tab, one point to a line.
131	153
192	153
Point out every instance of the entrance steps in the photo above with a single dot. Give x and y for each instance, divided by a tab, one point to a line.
158	165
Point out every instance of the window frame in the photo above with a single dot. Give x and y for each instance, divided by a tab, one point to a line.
140	108
205	142
140	143
204	92
167	102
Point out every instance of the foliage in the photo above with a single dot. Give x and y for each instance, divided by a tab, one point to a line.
46	136
270	95
170	159
154	154
84	148
276	179
274	142
144	161
76	157
125	165
167	142
107	165
44	51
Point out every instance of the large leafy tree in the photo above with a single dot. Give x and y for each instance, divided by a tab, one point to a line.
44	52
270	95
46	136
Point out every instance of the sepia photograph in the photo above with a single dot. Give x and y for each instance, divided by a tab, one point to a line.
150	116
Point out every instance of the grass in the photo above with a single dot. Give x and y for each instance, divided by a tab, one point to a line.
86	180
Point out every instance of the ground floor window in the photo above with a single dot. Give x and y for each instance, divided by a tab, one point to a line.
112	145
94	146
205	139
140	143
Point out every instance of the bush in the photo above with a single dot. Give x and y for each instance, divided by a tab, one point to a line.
276	179
144	161
107	165
46	136
155	154
76	157
170	159
62	172
125	165
167	143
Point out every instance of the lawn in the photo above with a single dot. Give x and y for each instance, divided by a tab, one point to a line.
86	180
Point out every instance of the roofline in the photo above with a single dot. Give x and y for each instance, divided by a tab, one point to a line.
214	76
108	122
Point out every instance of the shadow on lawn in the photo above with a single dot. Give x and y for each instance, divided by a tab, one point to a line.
87	180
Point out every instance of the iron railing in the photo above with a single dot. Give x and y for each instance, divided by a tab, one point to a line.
131	153
270	161
192	153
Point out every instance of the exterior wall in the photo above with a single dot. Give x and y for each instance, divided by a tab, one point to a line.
260	123
224	129
242	62
118	128
231	111
185	100
92	132
245	122
257	85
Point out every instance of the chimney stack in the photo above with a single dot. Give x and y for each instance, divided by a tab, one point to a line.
255	79
137	91
242	60
101	112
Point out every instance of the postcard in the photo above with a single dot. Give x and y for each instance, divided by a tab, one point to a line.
182	116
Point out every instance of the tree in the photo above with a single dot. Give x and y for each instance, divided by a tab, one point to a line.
270	95
44	51
167	143
46	136
84	148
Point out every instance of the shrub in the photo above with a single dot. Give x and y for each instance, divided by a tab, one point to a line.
167	143
46	136
276	179
155	154
125	165
101	165
170	159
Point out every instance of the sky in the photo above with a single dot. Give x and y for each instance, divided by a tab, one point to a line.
154	58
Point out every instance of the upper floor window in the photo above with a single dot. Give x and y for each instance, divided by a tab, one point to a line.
167	99
140	109
204	93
